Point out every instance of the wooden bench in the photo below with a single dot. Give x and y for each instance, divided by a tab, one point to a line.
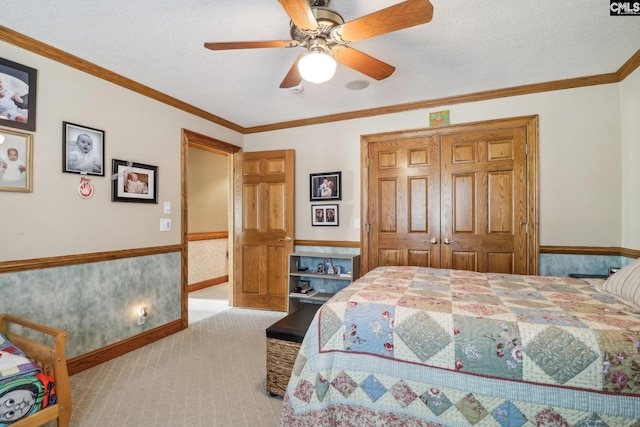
283	342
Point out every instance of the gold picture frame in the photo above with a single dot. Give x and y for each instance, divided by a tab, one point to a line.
16	165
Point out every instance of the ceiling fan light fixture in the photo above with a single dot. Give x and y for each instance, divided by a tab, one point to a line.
317	66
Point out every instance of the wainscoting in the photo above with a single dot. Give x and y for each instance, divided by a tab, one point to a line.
553	261
208	259
564	260
97	298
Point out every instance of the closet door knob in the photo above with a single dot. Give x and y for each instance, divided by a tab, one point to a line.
450	242
434	240
286	239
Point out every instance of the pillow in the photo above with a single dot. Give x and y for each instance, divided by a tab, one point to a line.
625	284
13	361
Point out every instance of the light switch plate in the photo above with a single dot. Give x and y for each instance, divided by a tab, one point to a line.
167	208
165	224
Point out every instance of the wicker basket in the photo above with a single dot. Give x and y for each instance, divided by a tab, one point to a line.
281	355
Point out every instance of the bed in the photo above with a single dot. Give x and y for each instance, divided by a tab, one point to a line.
413	346
34	383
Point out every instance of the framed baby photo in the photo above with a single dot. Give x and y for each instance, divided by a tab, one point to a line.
82	149
324	214
16	166
325	186
18	85
134	182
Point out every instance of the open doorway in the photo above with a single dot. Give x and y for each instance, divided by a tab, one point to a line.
206	218
208	301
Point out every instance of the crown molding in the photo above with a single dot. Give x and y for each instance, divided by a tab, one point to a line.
62	57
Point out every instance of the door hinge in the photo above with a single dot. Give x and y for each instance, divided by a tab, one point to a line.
526	149
526	226
367	227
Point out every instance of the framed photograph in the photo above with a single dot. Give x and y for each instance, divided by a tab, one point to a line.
304	284
324	214
17	95
16	166
326	186
134	182
82	149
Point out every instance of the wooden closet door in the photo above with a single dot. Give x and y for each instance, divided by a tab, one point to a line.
484	201
404	202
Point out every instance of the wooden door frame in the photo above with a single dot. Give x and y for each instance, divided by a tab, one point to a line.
533	196
207	143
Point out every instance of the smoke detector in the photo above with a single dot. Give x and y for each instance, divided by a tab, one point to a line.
357	85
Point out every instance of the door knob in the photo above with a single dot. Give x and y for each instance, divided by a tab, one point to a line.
449	242
286	239
434	240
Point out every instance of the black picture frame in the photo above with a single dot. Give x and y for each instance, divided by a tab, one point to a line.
82	149
20	83
134	182
324	215
16	161
325	186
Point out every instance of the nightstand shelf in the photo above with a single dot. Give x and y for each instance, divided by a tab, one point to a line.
303	269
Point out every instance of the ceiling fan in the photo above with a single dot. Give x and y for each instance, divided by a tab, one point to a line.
326	37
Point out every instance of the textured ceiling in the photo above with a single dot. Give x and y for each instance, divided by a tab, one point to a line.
470	46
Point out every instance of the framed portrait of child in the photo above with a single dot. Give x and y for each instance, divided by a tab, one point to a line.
82	149
134	182
17	95
16	166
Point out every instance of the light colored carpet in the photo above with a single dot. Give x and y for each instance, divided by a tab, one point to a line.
211	374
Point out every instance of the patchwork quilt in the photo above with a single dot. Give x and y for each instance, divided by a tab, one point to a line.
414	346
24	388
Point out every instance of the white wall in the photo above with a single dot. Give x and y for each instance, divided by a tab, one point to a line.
53	220
630	100
580	159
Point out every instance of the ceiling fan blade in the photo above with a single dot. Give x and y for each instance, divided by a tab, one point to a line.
293	77
251	45
402	15
301	14
362	62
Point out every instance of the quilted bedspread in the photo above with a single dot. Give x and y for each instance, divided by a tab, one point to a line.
418	346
